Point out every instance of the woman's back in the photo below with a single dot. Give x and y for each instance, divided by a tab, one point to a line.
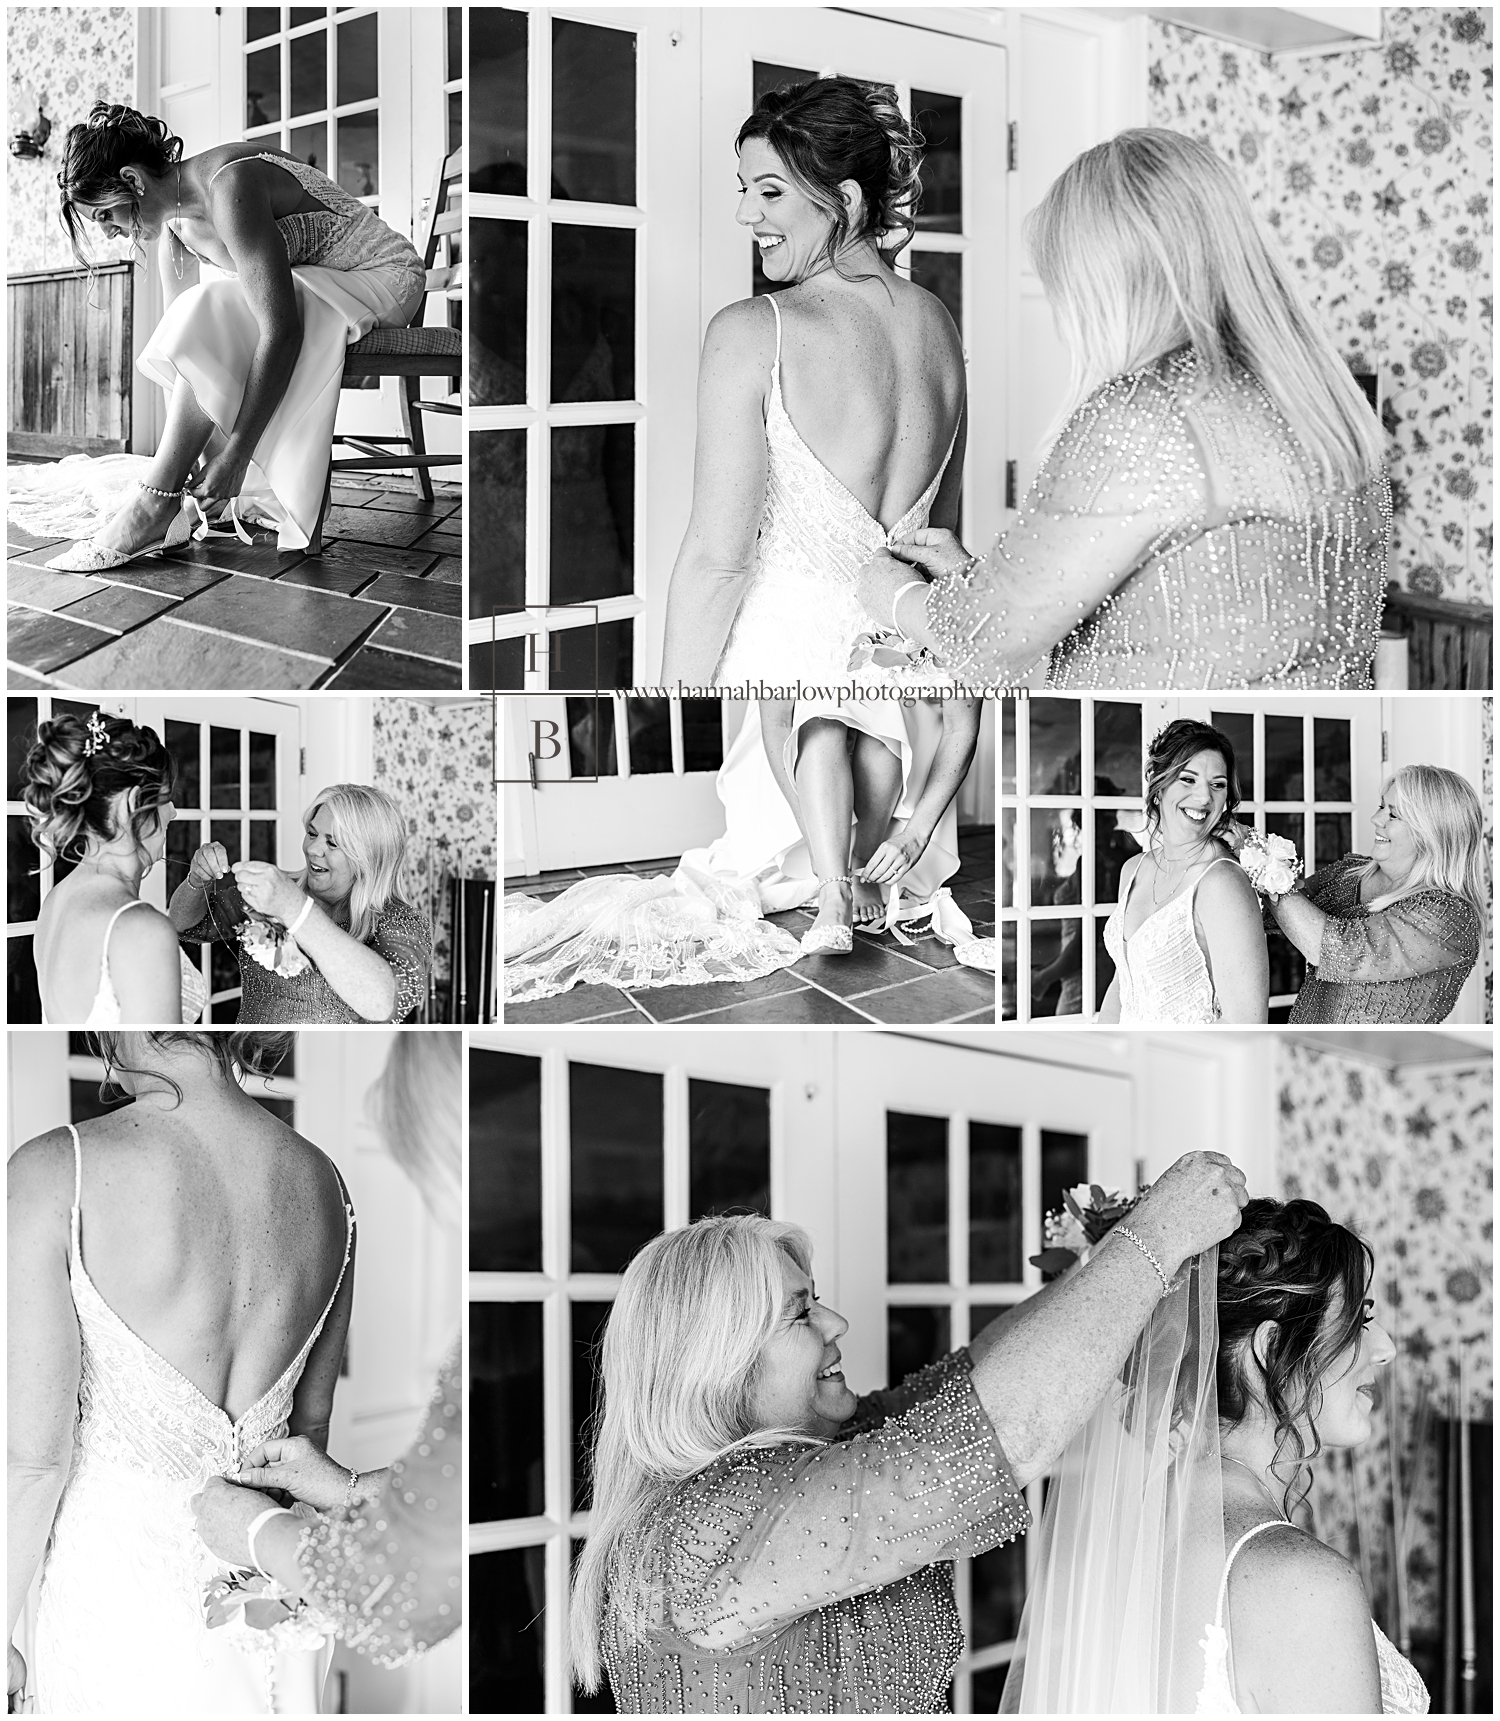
76	924
216	1234
872	376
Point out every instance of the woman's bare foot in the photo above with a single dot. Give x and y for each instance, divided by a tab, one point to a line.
143	520
869	904
835	905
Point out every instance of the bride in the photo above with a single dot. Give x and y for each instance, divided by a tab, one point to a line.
180	1283
827	409
250	360
1169	1531
98	794
1186	936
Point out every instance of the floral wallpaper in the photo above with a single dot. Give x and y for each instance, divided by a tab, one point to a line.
1374	168
436	761
1487	802
1405	1158
69	57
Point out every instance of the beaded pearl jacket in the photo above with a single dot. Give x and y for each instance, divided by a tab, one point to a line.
811	1578
1181	538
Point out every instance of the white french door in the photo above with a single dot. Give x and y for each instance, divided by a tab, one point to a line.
947	1158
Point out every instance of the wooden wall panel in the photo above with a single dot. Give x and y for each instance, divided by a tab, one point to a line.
70	336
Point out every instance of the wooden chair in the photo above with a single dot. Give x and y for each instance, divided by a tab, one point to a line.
412	353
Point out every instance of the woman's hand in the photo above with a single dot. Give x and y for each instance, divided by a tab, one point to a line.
221	480
934	549
223	1515
1194	1204
209	864
895	857
297	1467
878	581
269	891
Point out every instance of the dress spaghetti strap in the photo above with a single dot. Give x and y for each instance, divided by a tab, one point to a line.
775	312
77	1169
1269	1524
104	980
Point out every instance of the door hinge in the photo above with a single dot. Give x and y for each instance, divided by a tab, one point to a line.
1012	146
301	761
1010	484
1385	747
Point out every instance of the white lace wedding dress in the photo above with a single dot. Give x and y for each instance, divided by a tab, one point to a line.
797	629
120	1625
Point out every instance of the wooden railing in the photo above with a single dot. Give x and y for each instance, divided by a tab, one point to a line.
71	363
1449	645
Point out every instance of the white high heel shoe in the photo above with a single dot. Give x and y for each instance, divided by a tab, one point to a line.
829	940
89	556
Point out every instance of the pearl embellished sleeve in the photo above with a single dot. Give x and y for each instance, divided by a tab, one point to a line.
387	1569
770	1533
402	940
1420	934
1121	481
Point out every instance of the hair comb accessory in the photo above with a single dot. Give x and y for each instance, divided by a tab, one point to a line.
98	738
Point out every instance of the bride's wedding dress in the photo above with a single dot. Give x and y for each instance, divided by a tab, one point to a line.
793	636
1164	977
120	1625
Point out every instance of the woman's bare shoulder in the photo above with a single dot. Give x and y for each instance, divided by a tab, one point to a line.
39	1177
1287	1574
1227	887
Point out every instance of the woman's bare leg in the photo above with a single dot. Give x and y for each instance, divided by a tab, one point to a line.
825	793
876	773
145	517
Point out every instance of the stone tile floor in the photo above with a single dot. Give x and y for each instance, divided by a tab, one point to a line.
881	982
381	608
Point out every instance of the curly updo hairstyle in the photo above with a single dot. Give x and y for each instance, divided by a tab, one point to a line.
834	129
1290	1264
1171	748
70	790
111	138
237	1053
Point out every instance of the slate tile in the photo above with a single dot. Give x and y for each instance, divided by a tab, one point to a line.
263	560
935	998
373	526
409	502
869	967
806	1007
582	1004
46	589
23	540
323	575
375	558
677	1003
18	681
421	634
39	640
164	654
439	543
171	579
389	672
119	607
352	495
449	569
320	624
434	595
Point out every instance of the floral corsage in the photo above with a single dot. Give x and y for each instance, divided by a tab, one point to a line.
273	947
885	649
1271	863
1088	1214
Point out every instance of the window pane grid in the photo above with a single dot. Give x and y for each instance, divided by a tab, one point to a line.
551	148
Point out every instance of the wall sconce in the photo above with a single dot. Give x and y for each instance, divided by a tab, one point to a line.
30	144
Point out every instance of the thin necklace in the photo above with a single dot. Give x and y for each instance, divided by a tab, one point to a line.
1156	901
1229	1458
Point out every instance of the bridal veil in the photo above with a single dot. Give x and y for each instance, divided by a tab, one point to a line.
1132	1538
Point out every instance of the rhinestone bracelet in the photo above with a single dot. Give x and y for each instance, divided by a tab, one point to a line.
1161	1272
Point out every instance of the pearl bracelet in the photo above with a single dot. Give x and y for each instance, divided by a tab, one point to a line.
1161	1272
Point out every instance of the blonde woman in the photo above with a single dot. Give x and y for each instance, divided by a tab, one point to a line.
762	1540
1214	511
1391	936
335	943
98	795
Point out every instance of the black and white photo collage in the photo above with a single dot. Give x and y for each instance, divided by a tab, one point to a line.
750	856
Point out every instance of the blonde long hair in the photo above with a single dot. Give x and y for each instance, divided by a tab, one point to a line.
681	1350
371	830
1443	814
1148	242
